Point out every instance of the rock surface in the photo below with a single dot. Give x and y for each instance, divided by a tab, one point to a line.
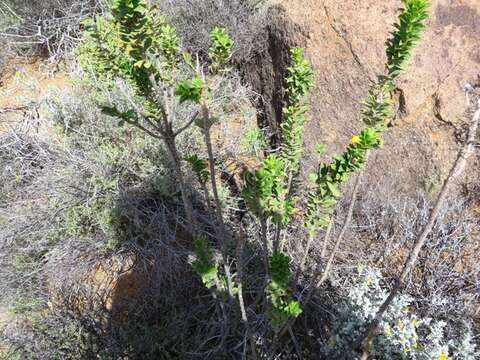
345	43
106	287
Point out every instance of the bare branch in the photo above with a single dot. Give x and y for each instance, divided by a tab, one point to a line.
187	125
458	167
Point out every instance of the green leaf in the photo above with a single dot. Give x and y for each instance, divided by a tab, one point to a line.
204	265
333	189
293	308
110	111
221	50
406	35
187	58
320	149
199	167
190	90
205	124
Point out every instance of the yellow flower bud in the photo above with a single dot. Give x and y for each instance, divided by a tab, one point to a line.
388	331
443	356
355	139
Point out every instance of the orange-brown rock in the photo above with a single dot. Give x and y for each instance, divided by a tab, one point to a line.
107	287
345	42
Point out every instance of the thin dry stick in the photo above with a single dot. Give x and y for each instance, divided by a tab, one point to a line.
13	109
326	239
276	241
457	169
175	158
205	111
301	268
11	11
264	235
213	181
331	258
249	336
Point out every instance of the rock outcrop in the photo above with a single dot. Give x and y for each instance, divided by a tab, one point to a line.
345	43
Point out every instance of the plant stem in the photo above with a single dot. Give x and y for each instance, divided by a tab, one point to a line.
175	158
301	267
276	241
314	284
345	226
207	197
263	226
241	301
213	180
326	239
311	237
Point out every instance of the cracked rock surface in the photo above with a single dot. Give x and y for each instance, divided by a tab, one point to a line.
345	41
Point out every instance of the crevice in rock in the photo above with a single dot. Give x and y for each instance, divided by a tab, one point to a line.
266	72
437	113
402	102
400	106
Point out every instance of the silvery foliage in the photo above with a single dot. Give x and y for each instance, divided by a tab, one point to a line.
399	331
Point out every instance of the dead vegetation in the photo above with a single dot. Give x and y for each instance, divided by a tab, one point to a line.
44	27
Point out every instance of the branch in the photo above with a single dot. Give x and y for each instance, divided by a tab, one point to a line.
326	238
158	95
142	114
325	272
13	109
151	133
248	330
301	267
348	220
187	125
11	11
458	167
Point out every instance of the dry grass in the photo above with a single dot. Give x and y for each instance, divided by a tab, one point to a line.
243	19
92	255
48	27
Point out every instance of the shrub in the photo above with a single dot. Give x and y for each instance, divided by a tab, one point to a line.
135	44
402	334
144	185
56	336
96	190
48	27
254	142
385	230
104	190
244	21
